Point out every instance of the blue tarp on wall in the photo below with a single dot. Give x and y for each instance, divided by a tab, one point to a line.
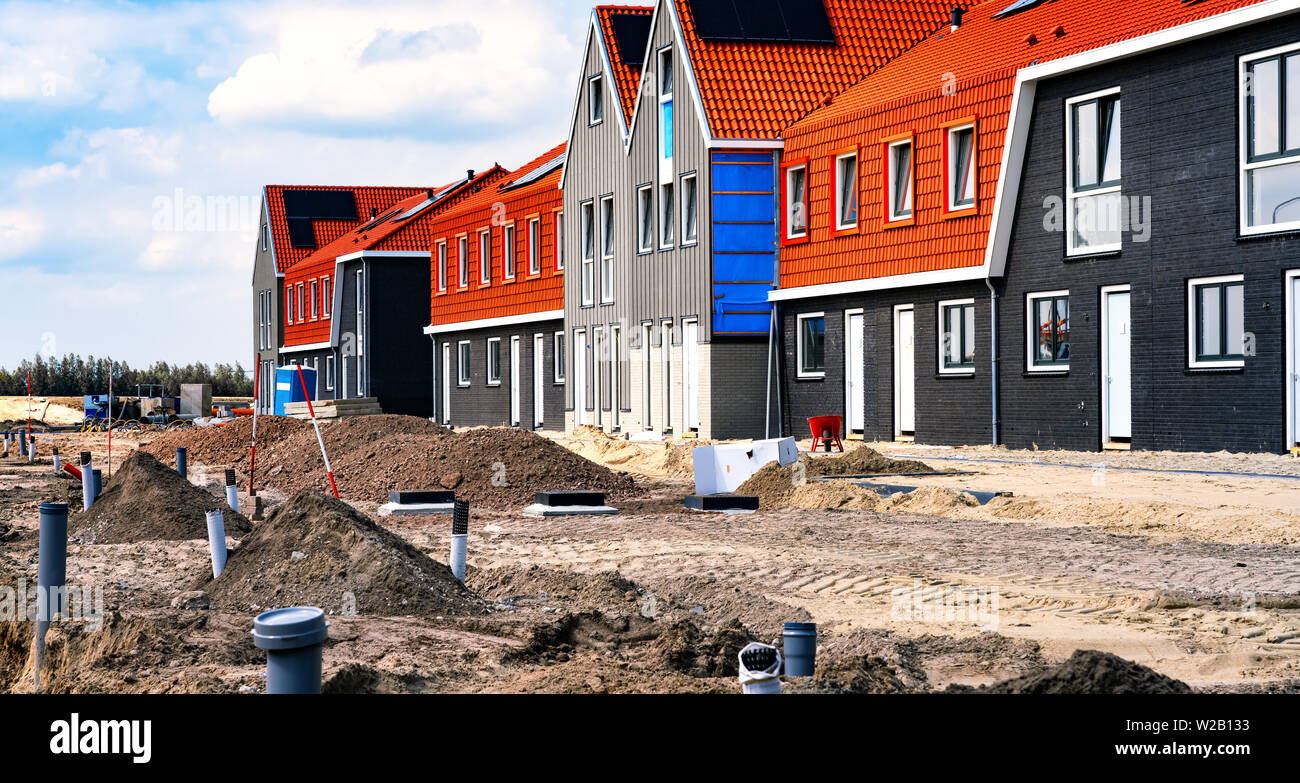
744	241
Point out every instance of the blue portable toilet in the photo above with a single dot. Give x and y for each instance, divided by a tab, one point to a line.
288	388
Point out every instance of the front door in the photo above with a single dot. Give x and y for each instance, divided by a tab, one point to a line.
854	392
1117	379
691	374
904	372
539	368
1295	361
580	357
515	416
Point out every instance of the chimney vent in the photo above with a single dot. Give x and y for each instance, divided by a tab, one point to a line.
956	17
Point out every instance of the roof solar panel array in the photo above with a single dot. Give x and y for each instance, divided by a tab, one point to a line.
768	21
631	33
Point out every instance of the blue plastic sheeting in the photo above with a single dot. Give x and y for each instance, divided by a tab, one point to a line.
744	241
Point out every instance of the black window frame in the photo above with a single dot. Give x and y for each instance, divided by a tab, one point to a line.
1199	318
1114	98
1281	59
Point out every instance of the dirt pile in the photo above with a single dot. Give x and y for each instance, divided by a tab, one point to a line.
683	647
148	501
776	485
372	455
1089	671
665	460
536	586
318	551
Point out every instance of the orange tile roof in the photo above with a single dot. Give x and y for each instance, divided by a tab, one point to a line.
627	78
491	209
755	90
286	255
950	76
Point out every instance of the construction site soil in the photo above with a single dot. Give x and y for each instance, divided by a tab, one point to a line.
496	467
775	485
148	501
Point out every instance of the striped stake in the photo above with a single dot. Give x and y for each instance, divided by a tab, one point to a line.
252	453
110	418
311	410
29	406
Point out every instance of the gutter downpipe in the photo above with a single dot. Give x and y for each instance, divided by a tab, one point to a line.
996	359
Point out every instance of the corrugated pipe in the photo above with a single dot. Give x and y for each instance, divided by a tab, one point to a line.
87	482
232	492
995	363
459	538
217	540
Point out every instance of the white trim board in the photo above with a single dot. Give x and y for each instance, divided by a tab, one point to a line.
877	284
488	323
305	348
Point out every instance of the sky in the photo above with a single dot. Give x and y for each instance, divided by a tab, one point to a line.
135	138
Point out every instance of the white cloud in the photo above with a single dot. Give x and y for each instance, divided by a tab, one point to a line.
20	231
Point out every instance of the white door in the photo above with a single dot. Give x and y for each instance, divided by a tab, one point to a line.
854	394
666	354
598	373
904	371
515	416
691	374
616	374
580	378
1117	391
446	383
647	364
539	367
1295	361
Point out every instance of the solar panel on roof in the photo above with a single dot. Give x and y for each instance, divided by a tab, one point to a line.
320	204
761	20
538	173
1017	7
767	21
631	33
716	20
301	233
807	21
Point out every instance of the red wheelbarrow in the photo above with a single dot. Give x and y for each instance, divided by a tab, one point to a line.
825	430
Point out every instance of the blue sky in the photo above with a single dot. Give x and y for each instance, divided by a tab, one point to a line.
114	113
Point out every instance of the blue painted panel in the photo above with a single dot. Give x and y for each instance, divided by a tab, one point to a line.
743	157
744	241
756	178
749	209
746	237
748	267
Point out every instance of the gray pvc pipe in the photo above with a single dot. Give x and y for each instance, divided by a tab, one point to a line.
293	640
232	491
799	649
31	450
6	451
22	445
97	478
181	466
54	455
217	541
51	574
87	482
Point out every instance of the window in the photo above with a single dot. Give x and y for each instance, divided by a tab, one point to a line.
462	367
811	347
1093	173
462	261
898	180
300	315
846	191
645	219
534	246
557	357
559	241
288	305
261	320
508	252
796	202
607	250
690	211
314	294
1271	147
442	266
959	167
595	100
326	296
588	252
666	217
1049	331
266	237
666	115
957	336
494	361
329	372
485	257
1217	322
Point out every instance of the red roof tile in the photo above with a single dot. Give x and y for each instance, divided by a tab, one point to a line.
627	78
286	255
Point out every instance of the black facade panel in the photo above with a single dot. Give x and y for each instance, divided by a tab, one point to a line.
482	405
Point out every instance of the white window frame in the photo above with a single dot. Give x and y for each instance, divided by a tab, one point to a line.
464	355
665	152
462	261
288	310
791	204
645	219
326	296
534	246
608	243
1032	363
1071	195
302	309
493	378
559	241
559	353
442	265
485	256
949	139
943	306
667	220
508	257
329	372
1193	286
587	277
1245	165
798	342
840	225
266	236
688	239
595	100
891	179
314	293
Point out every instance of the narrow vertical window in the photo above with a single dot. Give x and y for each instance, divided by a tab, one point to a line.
796	202
494	361
485	257
463	368
558	357
588	229
326	296
442	266
313	295
846	191
462	261
596	100
607	250
666	115
960	173
508	252
899	180
690	211
1093	187
534	246
1271	147
559	241
811	347
645	219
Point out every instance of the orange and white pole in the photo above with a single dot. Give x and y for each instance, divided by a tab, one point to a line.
312	410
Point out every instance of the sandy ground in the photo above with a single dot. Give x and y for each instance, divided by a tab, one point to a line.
46	410
1189	573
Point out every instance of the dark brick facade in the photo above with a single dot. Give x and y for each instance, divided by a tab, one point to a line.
482	405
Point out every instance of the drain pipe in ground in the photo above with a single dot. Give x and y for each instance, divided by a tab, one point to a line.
87	482
55	456
760	669
182	467
232	492
996	361
51	575
459	538
31	449
217	540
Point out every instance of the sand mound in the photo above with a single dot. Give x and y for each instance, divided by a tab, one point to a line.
930	500
775	485
822	494
1090	671
863	461
667	459
318	551
148	501
372	455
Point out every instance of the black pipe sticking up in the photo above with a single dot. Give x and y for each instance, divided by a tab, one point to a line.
460	518
230	477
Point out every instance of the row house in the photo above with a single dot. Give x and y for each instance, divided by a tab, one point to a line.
1046	226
